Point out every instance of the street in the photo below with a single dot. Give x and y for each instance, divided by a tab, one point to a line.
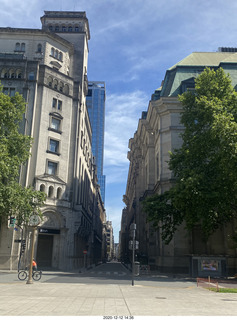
107	273
107	290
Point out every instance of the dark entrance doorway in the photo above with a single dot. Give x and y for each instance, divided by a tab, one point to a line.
44	251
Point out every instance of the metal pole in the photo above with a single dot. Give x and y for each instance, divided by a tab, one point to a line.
133	256
84	261
30	281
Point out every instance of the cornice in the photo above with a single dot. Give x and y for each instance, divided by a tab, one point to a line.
37	32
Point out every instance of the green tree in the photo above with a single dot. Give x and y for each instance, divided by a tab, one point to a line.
15	200
205	191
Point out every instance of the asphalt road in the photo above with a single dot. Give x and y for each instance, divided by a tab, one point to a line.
108	273
106	290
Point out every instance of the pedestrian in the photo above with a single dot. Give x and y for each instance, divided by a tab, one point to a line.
34	265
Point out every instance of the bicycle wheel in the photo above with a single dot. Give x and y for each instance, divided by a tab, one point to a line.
36	275
22	275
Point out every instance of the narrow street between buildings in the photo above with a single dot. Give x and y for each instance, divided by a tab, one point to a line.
106	290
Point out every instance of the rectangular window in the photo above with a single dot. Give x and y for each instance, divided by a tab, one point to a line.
54	103
59	105
12	92
55	124
53	145
9	91
52	168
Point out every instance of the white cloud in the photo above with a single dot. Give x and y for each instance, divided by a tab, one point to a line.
122	114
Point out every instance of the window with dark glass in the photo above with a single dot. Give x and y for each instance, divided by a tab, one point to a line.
59	105
31	76
12	92
54	104
18	46
55	124
89	94
23	47
39	47
53	145
52	167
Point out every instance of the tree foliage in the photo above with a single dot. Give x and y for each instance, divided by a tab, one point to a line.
205	192
14	151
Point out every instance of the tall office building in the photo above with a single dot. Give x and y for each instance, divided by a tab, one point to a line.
95	101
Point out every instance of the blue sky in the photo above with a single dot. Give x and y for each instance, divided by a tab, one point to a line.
132	44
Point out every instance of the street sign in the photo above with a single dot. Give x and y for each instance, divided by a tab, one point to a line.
132	233
12	221
136	245
84	251
133	226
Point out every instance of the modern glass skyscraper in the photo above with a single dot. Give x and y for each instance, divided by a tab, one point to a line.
95	101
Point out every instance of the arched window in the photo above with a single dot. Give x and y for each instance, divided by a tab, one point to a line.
12	73
63	29
18	46
50	81
52	52
60	86
56	54
18	74
50	193
23	47
70	29
39	47
55	84
76	29
59	193
66	89
42	188
50	28
4	73
56	28
60	56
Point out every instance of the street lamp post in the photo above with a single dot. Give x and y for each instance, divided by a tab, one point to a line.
133	230
34	221
30	281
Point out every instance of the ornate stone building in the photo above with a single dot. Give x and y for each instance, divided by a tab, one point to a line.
157	134
49	68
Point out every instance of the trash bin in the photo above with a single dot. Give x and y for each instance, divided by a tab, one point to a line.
136	268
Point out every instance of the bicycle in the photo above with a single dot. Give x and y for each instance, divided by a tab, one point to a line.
36	275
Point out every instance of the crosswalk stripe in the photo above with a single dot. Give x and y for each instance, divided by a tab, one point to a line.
109	273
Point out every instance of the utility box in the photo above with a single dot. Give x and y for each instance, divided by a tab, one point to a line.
136	268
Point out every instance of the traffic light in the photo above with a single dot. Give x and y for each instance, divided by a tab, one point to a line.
12	221
23	246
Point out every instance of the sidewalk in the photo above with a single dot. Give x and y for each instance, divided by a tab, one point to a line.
64	299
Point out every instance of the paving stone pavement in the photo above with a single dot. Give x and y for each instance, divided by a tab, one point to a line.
69	299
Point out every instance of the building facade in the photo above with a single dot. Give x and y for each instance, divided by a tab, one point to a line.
49	68
95	101
109	240
157	134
